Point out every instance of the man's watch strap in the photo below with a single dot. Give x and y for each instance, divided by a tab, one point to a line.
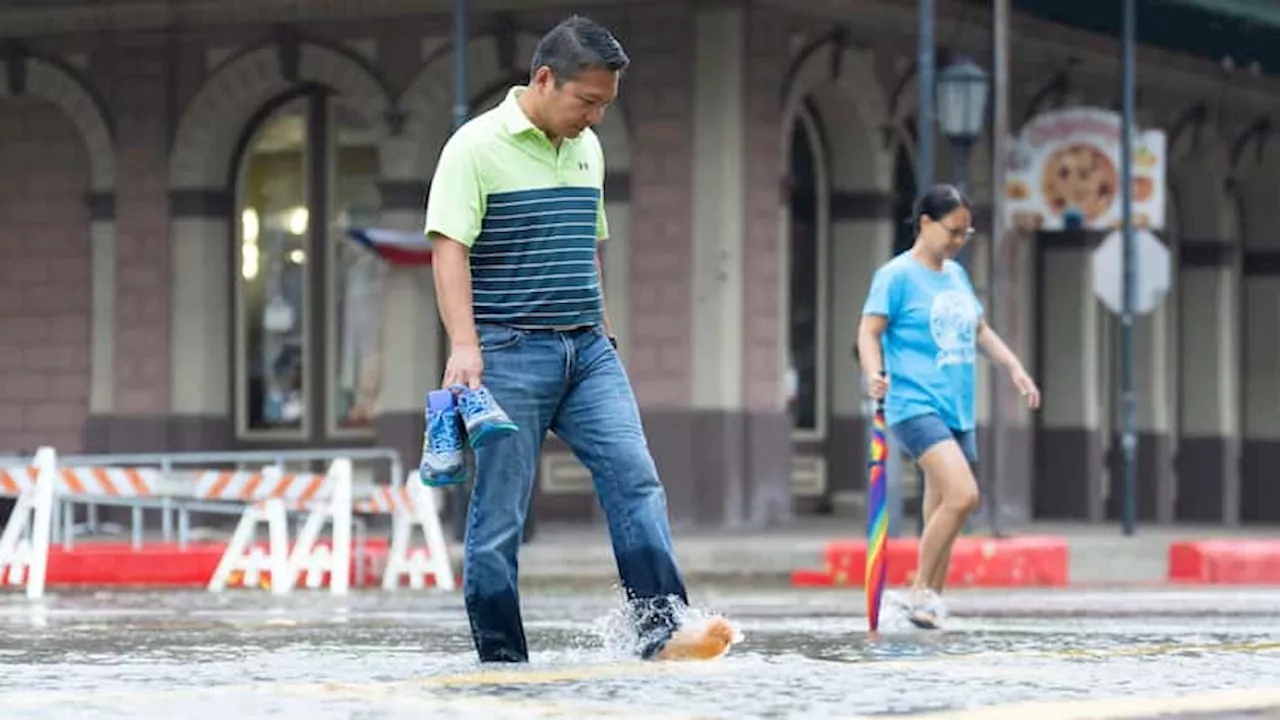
613	340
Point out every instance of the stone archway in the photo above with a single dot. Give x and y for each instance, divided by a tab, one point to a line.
55	83
834	94
204	145
63	88
202	201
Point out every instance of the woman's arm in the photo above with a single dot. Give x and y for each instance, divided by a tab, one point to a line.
871	354
995	348
870	349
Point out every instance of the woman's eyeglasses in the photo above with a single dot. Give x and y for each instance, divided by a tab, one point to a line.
960	233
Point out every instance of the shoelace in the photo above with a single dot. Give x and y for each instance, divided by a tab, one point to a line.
474	402
443	437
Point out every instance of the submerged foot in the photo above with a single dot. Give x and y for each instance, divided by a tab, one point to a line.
703	641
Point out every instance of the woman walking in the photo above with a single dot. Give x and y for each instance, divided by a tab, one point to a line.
922	326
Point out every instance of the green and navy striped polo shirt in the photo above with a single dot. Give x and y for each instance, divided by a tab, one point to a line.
531	215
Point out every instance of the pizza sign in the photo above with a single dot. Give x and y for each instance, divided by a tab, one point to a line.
1065	166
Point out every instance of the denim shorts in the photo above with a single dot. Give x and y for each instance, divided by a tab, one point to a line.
922	432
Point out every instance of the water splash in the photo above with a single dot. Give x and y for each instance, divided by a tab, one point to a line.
896	608
617	629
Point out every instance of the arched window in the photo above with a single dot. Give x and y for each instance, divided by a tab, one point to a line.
308	300
807	261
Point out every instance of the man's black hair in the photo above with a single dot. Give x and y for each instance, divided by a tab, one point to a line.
577	45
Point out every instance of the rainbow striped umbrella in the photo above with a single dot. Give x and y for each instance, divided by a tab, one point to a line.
877	519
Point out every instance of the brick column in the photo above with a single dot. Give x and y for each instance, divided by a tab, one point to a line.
659	95
768	426
140	100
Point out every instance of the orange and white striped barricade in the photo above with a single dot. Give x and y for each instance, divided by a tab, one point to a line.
24	558
124	486
411	505
270	495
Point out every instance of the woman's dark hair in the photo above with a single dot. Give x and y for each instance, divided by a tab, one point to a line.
939	202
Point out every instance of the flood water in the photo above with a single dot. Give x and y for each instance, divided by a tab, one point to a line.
805	654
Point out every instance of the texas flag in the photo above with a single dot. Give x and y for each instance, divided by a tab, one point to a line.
398	247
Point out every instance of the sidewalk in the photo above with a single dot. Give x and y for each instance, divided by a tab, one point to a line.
1099	554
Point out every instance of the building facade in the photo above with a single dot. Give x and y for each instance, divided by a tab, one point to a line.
178	179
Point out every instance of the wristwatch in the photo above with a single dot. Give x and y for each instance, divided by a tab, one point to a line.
613	340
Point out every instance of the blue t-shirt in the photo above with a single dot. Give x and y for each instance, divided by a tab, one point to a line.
930	345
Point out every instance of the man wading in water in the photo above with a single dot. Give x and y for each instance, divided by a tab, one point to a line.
514	214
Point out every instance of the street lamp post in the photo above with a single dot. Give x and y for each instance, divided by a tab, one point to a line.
963	88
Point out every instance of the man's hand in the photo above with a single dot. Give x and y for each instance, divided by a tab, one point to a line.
465	366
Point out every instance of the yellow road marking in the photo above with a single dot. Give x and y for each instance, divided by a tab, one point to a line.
1118	709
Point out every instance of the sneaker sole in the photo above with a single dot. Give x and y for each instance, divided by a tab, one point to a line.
922	623
457	477
489	431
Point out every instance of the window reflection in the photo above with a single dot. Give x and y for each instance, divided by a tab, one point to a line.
803	371
273	282
358	276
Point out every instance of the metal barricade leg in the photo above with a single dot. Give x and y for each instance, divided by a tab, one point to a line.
69	526
136	527
166	520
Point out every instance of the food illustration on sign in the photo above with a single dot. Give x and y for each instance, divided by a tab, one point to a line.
1145	158
1064	170
1143	187
1079	177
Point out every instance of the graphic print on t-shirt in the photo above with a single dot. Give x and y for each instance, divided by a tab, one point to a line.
953	320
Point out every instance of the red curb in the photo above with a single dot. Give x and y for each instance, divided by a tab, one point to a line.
165	565
1225	562
975	562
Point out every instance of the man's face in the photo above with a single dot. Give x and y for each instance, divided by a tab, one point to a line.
577	104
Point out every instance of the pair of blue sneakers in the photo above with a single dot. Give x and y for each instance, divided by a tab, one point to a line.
453	412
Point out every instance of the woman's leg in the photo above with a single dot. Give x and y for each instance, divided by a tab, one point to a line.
949	477
932	499
969	446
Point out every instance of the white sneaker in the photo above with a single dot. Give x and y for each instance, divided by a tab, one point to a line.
926	610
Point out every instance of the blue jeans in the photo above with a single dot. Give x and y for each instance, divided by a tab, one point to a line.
571	382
